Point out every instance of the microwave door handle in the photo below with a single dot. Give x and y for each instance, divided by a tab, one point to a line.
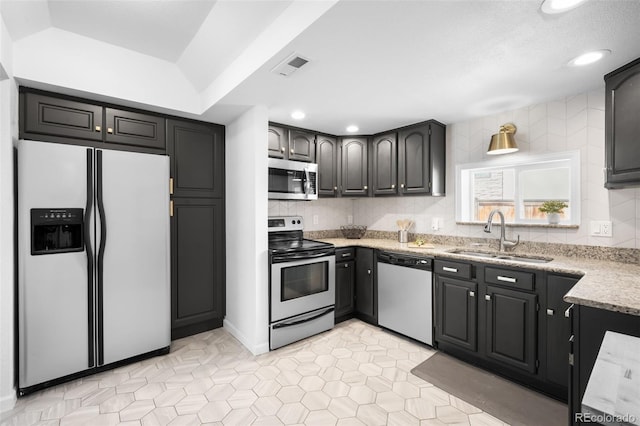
307	182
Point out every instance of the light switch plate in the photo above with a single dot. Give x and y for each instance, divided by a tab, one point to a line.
601	228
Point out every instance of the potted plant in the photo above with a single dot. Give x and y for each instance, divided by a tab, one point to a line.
553	209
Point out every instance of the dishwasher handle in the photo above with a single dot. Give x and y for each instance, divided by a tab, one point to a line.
408	261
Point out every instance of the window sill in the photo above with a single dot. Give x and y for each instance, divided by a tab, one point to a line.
524	225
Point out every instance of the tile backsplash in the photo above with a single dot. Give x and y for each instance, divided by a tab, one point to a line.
571	123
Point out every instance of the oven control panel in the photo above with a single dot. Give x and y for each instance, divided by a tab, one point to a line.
285	223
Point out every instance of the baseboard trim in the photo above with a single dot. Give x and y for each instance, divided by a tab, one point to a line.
255	349
7	402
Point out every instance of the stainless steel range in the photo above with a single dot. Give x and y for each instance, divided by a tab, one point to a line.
301	283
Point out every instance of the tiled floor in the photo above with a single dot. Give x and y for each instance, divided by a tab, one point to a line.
355	374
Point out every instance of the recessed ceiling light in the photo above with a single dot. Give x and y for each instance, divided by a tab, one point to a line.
552	7
589	57
352	128
298	115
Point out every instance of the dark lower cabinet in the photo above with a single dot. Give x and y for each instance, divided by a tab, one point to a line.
511	327
456	312
558	329
345	282
197	266
366	291
588	328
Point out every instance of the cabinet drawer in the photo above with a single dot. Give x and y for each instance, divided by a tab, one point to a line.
509	278
345	254
453	269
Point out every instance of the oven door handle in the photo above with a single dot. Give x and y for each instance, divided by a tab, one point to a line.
284	258
291	324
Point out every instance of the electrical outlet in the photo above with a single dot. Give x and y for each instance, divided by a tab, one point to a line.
436	223
601	228
350	219
315	219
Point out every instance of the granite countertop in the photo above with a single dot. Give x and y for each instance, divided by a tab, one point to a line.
614	286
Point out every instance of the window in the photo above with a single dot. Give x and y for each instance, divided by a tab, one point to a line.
518	186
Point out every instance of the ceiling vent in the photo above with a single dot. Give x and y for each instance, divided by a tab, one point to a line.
290	65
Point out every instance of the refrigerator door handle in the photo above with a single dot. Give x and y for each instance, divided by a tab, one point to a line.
100	259
88	248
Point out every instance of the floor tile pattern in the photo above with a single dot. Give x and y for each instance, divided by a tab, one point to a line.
355	374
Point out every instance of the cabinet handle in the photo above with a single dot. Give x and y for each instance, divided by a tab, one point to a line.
507	279
393	187
447	269
567	313
109	130
346	254
291	151
171	208
550	312
472	294
369	271
282	149
335	188
487	297
365	187
402	185
572	338
98	129
346	265
170	186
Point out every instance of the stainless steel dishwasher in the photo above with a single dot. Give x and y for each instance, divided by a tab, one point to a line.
405	295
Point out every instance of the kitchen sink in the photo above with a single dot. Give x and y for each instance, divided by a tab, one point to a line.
502	256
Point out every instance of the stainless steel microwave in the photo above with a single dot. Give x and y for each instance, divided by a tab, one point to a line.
292	180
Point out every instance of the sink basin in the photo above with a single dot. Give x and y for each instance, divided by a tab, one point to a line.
502	256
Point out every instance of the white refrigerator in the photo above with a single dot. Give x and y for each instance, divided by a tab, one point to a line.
93	259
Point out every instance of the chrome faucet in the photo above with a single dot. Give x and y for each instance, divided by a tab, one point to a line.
504	243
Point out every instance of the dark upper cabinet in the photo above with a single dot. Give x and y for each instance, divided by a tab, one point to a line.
302	146
456	311
60	117
366	291
197	158
354	167
345	282
291	144
277	141
131	128
622	127
558	328
384	174
327	157
511	327
421	159
197	265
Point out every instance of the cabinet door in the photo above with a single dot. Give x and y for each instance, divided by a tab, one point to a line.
197	158
366	295
622	127
385	160
511	327
327	157
438	159
302	146
456	312
197	266
131	128
60	117
354	168
414	160
278	143
558	328
345	280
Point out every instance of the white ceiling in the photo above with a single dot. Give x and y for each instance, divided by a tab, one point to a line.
378	64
